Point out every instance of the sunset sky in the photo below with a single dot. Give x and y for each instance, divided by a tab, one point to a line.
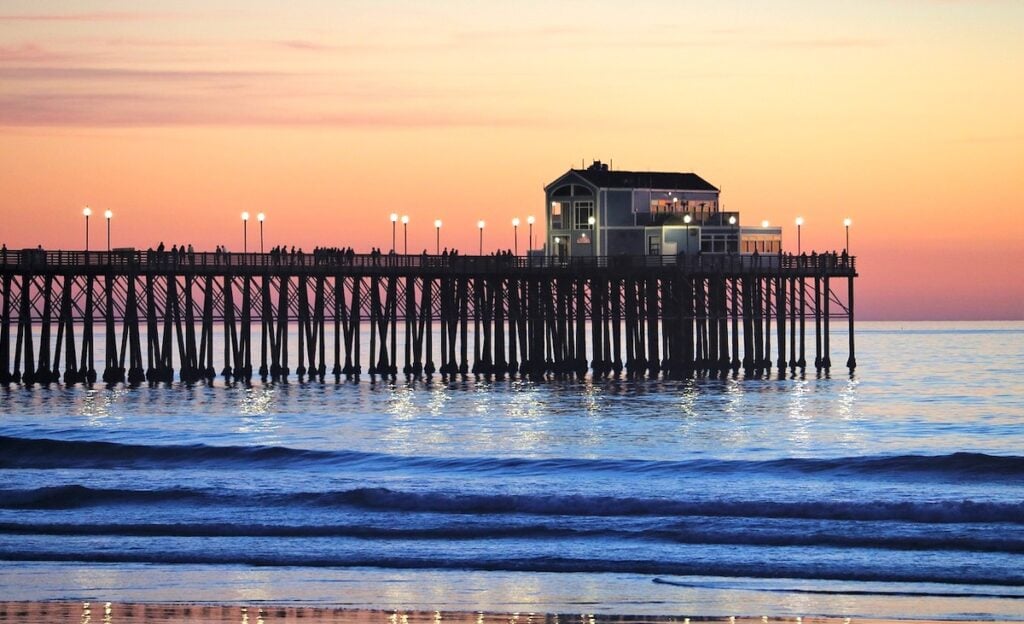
905	115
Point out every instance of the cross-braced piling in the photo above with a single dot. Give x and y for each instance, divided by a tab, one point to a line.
162	314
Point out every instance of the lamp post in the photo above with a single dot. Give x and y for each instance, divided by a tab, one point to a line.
394	221
515	235
847	222
529	221
108	214
260	217
687	219
405	232
480	224
437	228
799	223
87	211
593	236
245	232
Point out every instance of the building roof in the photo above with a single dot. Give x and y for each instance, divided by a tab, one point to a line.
601	176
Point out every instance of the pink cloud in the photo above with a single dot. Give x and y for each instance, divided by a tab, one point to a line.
95	16
28	53
225	106
126	74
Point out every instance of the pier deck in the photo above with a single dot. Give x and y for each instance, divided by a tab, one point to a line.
158	312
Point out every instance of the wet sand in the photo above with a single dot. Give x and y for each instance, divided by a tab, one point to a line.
138	613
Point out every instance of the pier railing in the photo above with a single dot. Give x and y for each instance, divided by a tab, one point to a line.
155	261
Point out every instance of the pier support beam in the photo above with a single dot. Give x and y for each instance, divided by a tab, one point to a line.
673	318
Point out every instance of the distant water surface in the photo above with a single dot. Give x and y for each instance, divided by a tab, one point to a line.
897	492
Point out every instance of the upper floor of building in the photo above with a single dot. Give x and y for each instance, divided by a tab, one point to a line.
601	211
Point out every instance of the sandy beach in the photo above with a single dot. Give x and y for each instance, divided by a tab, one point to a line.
136	613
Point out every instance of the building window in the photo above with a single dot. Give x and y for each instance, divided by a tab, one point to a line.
719	243
654	245
556	215
663	206
762	244
584	210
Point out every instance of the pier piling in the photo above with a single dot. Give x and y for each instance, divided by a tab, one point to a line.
489	316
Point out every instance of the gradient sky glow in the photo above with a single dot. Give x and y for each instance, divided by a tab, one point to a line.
905	115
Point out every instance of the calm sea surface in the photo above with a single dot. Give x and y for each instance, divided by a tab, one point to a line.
898	492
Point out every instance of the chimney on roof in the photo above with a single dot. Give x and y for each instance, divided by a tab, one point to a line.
598	166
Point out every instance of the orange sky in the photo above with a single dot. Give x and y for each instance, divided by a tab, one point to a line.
905	115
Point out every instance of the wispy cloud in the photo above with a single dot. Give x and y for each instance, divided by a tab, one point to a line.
126	97
833	42
28	53
148	110
94	16
306	45
128	74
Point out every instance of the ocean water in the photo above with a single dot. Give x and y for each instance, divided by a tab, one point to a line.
896	492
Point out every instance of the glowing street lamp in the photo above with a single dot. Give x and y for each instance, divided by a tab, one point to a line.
108	214
799	224
515	235
732	220
260	217
480	224
765	223
245	232
593	238
394	221
405	232
687	219
847	222
87	211
437	228
529	221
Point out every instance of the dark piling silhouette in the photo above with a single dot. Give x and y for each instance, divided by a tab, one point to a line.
487	316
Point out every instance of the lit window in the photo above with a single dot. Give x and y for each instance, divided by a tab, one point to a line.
584	210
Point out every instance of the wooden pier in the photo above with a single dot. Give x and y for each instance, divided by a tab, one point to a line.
496	316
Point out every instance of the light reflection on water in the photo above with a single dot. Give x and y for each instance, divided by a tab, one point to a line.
927	392
907	394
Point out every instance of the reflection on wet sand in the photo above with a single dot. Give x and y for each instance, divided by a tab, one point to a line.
139	613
